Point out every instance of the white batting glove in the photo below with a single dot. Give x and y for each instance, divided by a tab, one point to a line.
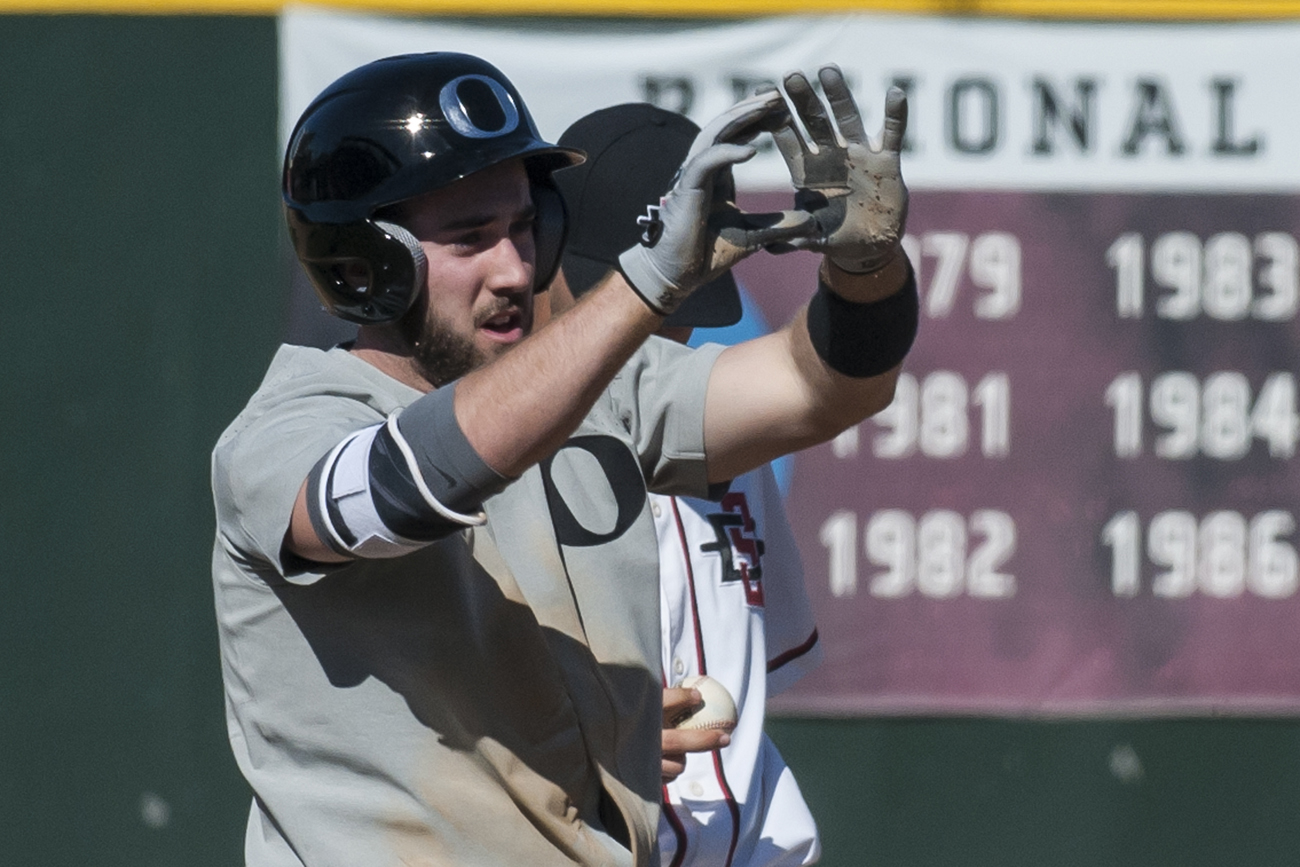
697	232
854	190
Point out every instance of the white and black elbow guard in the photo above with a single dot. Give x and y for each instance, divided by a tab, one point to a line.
395	487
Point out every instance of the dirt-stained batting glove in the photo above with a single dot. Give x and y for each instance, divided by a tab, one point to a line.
697	232
854	190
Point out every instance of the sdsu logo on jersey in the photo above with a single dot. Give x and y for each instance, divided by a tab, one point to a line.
741	550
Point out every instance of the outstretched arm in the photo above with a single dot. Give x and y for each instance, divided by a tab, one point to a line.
838	361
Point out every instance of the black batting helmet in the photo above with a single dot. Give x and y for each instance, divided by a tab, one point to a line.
387	132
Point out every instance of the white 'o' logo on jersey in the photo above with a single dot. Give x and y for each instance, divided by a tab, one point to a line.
453	108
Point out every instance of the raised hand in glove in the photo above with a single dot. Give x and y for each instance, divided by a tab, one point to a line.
854	190
697	232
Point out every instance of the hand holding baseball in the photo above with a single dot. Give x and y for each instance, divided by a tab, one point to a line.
717	709
681	703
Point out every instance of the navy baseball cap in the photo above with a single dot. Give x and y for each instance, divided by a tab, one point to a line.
633	153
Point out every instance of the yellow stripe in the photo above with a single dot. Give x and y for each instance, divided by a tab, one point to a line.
1103	9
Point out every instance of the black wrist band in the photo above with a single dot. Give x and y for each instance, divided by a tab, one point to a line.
863	340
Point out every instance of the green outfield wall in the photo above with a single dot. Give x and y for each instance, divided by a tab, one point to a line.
141	300
143	274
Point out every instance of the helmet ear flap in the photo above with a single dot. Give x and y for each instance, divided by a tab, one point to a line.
394	262
550	228
413	246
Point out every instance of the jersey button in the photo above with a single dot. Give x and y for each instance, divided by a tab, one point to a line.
679	667
654	507
697	790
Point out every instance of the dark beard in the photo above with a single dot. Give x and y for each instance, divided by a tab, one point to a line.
440	354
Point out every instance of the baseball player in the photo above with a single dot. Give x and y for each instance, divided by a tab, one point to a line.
426	658
733	603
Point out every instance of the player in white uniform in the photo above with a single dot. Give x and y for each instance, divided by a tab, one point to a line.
733	604
734	608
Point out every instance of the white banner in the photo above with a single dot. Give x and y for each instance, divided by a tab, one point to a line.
994	104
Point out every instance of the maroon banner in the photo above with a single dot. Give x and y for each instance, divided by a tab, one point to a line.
1084	497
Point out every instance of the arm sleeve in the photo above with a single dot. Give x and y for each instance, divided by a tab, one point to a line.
454	473
660	396
258	467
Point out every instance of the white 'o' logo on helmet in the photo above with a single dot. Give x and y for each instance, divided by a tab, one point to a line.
454	109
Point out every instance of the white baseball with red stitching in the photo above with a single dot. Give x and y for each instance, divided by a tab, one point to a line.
718	710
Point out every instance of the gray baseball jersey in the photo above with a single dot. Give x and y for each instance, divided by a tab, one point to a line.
489	699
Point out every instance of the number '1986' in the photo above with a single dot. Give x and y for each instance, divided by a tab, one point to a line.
1222	555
